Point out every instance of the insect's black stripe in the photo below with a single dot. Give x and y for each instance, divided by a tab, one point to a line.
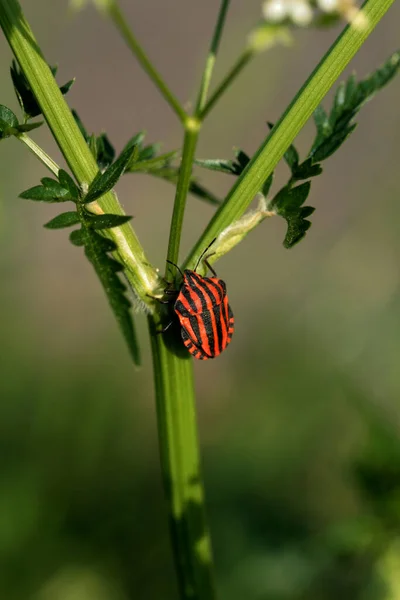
188	335
191	347
204	284
220	288
219	319
200	288
180	306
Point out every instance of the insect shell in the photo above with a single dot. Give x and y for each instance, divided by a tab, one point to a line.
204	314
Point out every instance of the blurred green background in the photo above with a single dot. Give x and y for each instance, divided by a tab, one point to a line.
299	418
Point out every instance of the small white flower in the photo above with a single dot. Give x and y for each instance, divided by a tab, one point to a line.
275	11
328	6
301	13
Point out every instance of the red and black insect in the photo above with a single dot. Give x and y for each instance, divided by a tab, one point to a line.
204	314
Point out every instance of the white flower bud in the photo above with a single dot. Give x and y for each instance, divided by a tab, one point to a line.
301	13
328	6
274	11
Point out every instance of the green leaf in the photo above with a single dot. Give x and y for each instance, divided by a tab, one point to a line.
69	184
171	174
267	185
107	269
28	126
288	204
24	93
232	167
145	160
66	219
217	164
104	182
152	164
149	152
201	192
64	89
332	143
306	170
105	151
107	221
43	193
78	237
350	96
292	157
100	146
8	122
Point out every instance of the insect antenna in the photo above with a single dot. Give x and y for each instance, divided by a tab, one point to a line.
202	254
174	265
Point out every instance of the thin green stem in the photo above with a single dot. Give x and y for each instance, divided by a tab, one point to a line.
114	11
239	65
212	55
39	153
290	123
182	188
180	463
71	142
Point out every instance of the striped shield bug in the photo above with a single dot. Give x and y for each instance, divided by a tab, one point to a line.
203	310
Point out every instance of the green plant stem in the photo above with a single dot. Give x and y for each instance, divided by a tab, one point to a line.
185	172
39	153
237	68
71	142
212	55
282	135
115	13
180	463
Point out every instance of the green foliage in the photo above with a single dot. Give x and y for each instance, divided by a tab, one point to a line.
97	247
108	221
104	182
50	191
100	146
9	124
144	159
288	203
66	219
97	250
333	129
233	167
25	96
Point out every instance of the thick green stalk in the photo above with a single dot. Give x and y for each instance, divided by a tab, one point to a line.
180	464
70	140
212	55
298	112
113	10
